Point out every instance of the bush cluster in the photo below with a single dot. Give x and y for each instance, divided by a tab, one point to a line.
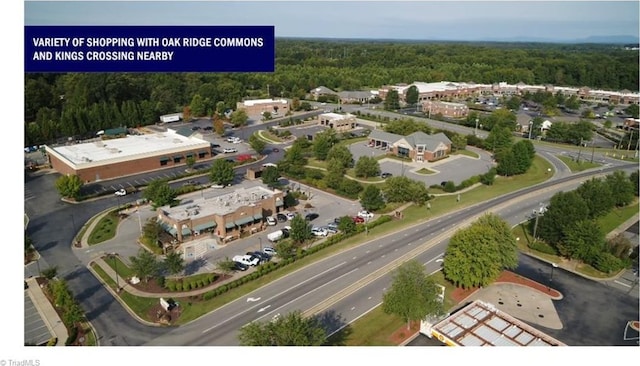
186	284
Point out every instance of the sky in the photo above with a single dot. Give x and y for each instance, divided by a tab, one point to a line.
423	20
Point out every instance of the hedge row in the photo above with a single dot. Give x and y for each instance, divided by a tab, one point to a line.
186	284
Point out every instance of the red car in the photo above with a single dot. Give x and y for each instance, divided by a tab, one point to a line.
358	220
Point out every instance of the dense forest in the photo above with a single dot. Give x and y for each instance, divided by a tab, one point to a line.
80	104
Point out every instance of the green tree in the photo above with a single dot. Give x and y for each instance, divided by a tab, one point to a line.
412	95
159	193
226	265
198	106
458	142
144	265
398	189
257	144
322	143
221	172
572	103
300	230
335	173
346	225
472	258
342	155
582	240
285	249
413	294
291	329
633	110
173	263
508	164
367	166
271	176
191	161
514	103
349	188
266	116
151	231
597	195
69	186
500	138
565	209
239	118
72	314
503	238
621	187
220	108
392	100
371	198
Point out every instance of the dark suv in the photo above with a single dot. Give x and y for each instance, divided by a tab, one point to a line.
240	266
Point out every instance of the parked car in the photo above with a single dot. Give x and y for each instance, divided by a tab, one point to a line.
228	150
195	128
246	260
121	192
332	225
318	231
385	175
190	183
207	128
275	149
358	219
330	230
271	221
290	215
311	216
233	139
217	186
263	257
281	217
240	266
269	251
365	214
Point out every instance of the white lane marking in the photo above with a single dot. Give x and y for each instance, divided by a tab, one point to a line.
264	308
276	295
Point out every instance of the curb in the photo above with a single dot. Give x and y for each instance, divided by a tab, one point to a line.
117	298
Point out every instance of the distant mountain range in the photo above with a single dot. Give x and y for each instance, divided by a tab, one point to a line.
622	40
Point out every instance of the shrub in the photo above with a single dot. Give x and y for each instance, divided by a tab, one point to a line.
161	281
178	286
209	295
607	263
488	178
171	285
52	342
222	289
73	335
449	187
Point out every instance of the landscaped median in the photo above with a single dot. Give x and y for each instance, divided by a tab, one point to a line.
577	166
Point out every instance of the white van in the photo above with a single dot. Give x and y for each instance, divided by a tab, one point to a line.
266	165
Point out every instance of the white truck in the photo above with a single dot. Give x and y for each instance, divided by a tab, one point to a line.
279	234
246	259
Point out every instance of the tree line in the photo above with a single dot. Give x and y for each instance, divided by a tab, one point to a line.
79	104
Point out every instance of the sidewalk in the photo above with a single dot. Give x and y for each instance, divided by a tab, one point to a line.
47	312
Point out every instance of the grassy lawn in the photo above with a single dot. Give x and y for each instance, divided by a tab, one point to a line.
617	216
105	229
425	171
577	166
628	155
268	136
352	173
123	270
348	142
313	162
467	153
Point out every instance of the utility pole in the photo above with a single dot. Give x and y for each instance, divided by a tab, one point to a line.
593	150
580	151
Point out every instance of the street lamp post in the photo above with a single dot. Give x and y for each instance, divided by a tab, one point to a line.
260	239
530	128
538	213
475	131
553	266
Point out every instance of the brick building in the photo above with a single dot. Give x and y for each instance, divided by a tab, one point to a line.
228	216
417	146
339	122
112	158
446	109
259	106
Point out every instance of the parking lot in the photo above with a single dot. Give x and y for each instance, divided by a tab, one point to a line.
455	168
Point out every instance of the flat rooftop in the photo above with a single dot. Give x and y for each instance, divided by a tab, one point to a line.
128	147
264	101
222	204
332	115
481	324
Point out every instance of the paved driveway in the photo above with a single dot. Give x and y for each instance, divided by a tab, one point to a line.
455	168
